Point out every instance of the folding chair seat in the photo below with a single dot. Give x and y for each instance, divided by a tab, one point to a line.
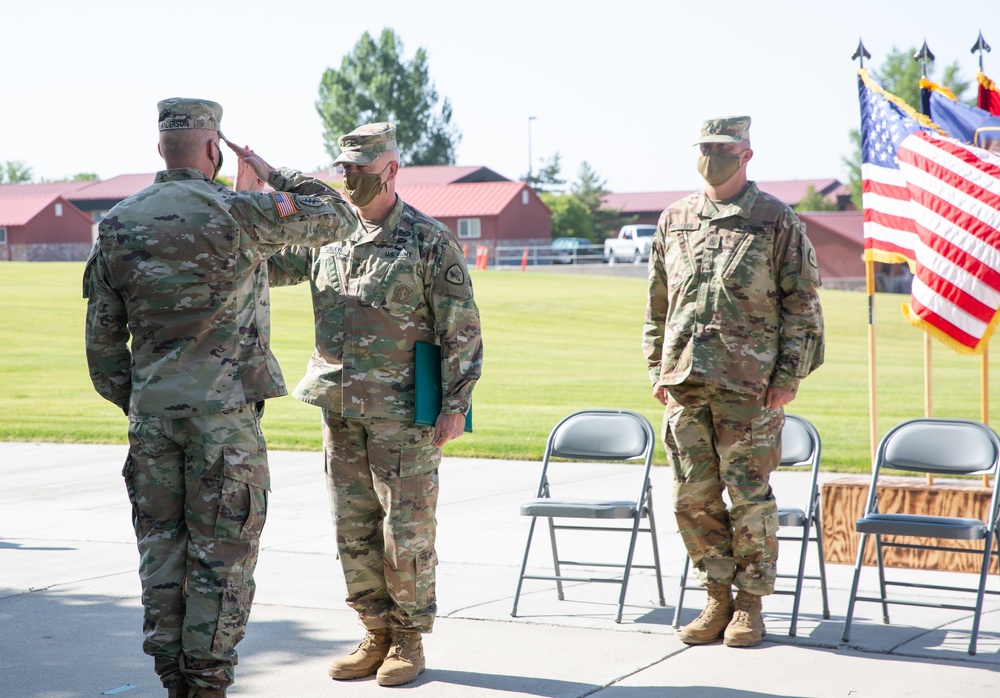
595	435
943	447
800	445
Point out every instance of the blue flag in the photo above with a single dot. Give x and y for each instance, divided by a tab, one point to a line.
959	120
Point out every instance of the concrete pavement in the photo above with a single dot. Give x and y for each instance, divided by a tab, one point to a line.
70	617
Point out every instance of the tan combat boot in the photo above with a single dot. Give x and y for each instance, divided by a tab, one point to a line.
711	623
747	627
366	659
405	661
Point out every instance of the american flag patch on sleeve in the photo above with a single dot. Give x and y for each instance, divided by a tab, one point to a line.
283	202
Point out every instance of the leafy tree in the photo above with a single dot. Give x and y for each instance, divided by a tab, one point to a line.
547	178
375	84
570	218
590	191
813	201
900	75
84	177
14	172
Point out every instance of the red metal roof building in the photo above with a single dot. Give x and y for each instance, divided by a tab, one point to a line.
487	213
42	227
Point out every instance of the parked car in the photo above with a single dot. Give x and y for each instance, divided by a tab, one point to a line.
631	245
575	251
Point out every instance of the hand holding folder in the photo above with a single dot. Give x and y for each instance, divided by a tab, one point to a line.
427	386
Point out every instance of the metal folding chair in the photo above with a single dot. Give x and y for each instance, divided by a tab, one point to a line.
800	445
595	435
943	447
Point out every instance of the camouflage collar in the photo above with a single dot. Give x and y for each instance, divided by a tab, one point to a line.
706	208
179	174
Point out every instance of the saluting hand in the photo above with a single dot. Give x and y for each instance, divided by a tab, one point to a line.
256	164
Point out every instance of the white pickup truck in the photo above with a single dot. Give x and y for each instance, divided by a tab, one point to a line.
631	245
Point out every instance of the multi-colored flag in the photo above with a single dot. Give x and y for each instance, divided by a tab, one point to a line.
934	203
989	95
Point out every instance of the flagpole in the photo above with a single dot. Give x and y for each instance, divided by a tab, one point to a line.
984	360
924	55
984	394
872	413
860	54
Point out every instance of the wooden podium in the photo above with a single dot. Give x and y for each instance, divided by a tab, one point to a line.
844	502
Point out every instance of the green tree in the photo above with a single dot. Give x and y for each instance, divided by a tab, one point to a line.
813	201
590	191
84	177
14	172
570	218
547	178
900	75
374	84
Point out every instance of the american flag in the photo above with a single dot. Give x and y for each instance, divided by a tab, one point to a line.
284	203
934	203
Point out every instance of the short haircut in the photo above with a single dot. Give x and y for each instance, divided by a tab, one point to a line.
183	144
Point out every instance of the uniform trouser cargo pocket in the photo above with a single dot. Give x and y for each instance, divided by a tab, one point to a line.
243	499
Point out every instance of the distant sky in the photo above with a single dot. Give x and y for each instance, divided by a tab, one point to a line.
620	84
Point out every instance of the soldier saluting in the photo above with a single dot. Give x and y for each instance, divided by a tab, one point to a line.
177	336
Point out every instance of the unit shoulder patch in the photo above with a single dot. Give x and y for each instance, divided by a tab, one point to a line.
455	275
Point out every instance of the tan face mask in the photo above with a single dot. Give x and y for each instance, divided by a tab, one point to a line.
718	168
362	187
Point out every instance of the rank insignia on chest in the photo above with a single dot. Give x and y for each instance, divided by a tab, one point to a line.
713	242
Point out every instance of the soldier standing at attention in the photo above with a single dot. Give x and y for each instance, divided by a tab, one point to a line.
400	278
733	323
180	267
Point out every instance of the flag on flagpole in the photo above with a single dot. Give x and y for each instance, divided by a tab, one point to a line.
934	203
959	120
989	95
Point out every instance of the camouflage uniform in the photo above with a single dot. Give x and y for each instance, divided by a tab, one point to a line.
732	310
375	295
179	268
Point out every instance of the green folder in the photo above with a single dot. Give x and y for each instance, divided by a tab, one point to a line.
427	386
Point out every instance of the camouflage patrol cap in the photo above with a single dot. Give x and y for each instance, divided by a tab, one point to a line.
727	129
364	144
184	112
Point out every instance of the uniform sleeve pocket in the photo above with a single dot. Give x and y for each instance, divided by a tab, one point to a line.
243	500
807	358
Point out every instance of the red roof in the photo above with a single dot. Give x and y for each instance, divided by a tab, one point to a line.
425	175
643	202
846	224
792	191
19	210
118	187
451	200
44	189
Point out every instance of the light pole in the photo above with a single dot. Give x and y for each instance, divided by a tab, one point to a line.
530	119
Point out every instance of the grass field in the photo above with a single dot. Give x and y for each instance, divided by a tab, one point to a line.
553	343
